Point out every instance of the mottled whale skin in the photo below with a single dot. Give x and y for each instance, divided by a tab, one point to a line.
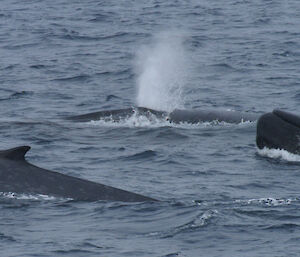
19	176
176	116
279	130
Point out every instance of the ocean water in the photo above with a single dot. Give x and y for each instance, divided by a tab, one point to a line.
219	195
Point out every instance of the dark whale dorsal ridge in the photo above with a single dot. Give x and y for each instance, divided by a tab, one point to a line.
288	117
16	154
19	176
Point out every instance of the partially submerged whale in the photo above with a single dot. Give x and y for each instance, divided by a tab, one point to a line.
118	114
19	176
196	116
279	130
176	116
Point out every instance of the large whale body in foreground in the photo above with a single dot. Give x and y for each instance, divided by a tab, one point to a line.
19	176
176	116
279	130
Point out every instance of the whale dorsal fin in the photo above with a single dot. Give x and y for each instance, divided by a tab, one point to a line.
16	154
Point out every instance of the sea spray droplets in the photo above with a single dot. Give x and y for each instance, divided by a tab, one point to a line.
161	70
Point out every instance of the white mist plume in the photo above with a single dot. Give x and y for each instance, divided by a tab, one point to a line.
161	70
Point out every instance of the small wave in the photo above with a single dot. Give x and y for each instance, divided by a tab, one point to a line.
38	66
73	252
20	46
100	17
171	134
4	237
143	155
223	67
111	97
172	254
18	95
279	154
10	67
75	36
81	78
285	226
21	94
115	35
198	222
91	245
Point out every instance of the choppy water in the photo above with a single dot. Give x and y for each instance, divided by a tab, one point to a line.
220	196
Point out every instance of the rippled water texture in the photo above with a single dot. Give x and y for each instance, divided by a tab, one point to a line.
219	195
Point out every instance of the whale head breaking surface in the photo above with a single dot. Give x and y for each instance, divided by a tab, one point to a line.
279	130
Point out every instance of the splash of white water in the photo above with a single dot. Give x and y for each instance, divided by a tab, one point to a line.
279	154
269	201
137	120
35	197
161	69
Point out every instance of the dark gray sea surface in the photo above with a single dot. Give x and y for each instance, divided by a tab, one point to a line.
219	195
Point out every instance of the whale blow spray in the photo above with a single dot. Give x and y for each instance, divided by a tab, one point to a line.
161	69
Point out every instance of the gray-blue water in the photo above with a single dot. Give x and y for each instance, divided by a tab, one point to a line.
219	196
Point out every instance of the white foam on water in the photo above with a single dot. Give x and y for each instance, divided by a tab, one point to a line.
35	197
161	69
269	201
279	154
137	120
